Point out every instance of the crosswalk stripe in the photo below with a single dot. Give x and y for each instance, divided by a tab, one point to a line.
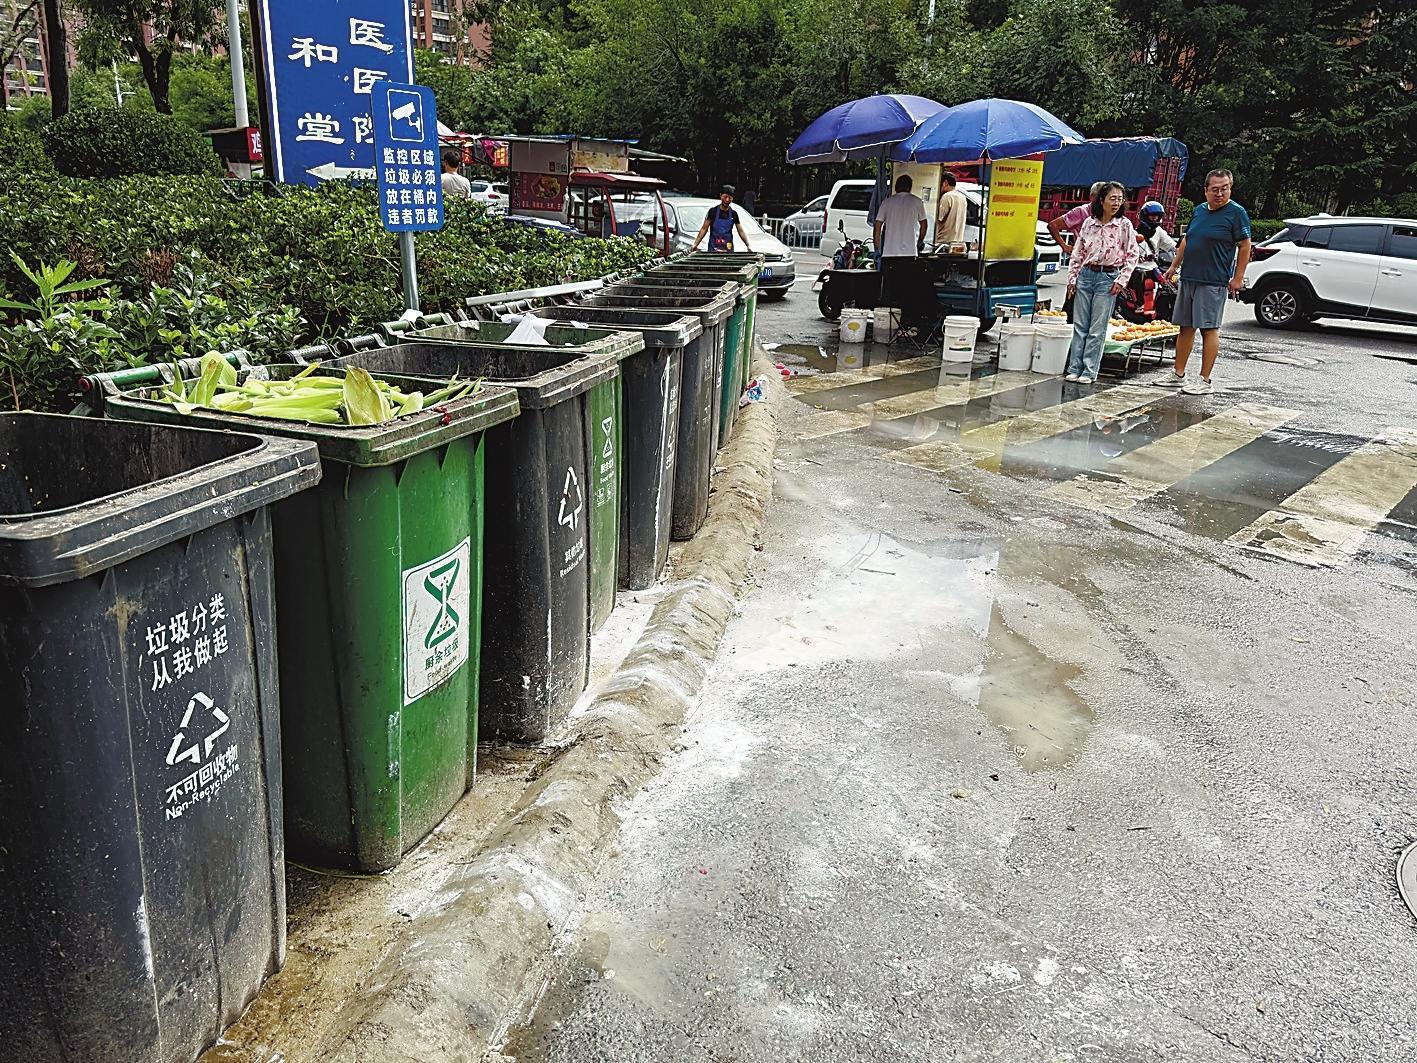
906	366
1324	523
955	393
951	394
1152	468
845	378
799	385
986	444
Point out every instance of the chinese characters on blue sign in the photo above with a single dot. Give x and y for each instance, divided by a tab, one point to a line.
320	63
406	150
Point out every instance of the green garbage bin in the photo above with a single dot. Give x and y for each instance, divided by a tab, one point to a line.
743	268
607	404
731	390
379	592
141	848
700	267
536	597
714	303
750	324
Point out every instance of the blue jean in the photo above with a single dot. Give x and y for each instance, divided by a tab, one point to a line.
1092	307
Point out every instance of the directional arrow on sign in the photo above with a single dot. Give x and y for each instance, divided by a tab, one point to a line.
330	172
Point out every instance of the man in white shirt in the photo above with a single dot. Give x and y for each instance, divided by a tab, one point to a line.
455	185
901	223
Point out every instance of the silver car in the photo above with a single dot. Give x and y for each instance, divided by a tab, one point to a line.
779	271
805	227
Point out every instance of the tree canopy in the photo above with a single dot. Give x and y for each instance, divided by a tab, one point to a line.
1309	102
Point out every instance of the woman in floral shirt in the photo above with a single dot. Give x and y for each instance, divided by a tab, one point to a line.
1103	258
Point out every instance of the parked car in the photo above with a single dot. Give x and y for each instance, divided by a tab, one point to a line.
1323	266
849	203
805	227
686	216
493	195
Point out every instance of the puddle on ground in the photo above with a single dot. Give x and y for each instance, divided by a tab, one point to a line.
1027	695
932	607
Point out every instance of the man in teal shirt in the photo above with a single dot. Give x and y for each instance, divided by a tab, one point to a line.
1216	250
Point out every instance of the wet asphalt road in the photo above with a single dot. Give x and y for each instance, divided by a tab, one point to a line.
1032	741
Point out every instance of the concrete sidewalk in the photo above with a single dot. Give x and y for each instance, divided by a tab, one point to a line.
434	960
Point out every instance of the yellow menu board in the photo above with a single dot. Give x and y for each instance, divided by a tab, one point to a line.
1014	186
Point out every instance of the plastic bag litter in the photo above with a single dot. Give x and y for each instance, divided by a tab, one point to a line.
755	392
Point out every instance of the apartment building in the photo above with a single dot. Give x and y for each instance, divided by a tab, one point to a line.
22	40
446	26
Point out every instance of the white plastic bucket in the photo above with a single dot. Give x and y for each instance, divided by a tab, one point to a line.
853	325
1050	347
1016	345
884	323
961	331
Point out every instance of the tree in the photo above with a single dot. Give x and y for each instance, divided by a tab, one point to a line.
56	54
152	30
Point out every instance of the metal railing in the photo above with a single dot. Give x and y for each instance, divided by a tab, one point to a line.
798	233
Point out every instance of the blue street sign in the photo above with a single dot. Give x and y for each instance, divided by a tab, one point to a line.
320	62
406	158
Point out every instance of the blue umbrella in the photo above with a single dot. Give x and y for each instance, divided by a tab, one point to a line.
861	128
986	129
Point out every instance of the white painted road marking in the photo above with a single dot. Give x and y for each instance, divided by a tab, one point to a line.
1152	468
1324	523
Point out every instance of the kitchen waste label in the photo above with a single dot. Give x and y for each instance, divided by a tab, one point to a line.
436	613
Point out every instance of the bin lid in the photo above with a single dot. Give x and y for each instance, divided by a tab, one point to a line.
673	281
583	341
79	495
659	328
540	376
743	272
713	308
359	445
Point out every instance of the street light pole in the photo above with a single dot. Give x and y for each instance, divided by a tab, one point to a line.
238	76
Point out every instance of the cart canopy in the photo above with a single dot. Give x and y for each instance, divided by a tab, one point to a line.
1128	160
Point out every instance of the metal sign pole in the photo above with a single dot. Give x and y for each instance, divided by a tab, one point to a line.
238	78
410	271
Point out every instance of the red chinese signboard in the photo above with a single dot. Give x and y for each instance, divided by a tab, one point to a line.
544	192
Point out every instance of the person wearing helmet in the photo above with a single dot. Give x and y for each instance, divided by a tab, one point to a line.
1158	250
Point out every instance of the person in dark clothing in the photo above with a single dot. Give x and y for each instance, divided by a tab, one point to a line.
720	225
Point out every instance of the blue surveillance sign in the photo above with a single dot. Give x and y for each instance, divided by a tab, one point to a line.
320	63
407	166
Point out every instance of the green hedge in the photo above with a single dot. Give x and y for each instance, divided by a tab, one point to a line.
123	141
1264	228
315	259
20	150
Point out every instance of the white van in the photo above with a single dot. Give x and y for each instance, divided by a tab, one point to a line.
849	202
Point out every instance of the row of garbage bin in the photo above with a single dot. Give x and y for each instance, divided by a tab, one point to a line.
220	644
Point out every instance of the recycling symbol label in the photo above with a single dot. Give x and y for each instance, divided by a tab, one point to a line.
202	724
436	608
572	501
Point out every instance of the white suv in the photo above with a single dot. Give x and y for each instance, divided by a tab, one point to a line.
1324	266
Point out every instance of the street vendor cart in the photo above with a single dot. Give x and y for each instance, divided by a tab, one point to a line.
992	279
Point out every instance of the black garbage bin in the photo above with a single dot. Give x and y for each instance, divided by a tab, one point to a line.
663	441
539	472
713	307
142	887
